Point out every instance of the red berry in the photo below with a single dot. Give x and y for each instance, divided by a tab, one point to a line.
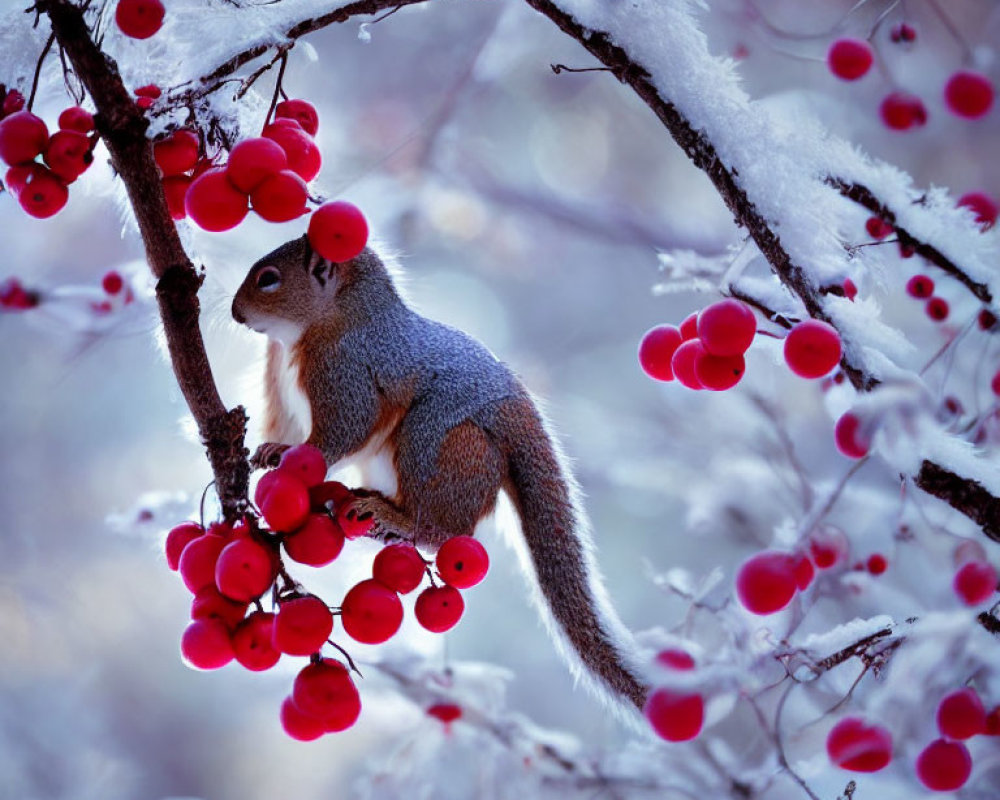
68	155
301	626
718	373
330	492
439	608
986	319
283	500
253	160
316	543
371	613
462	562
17	177
302	112
689	326
855	745
76	119
213	203
351	522
877	564
144	102
177	153
902	33
206	644
906	249
656	349
726	328
828	546
804	571
304	157
175	188
178	539
324	690
983	206
850	290
995	383
400	567
849	59
197	563
112	282
299	726
209	603
446	712
674	658
280	197
150	90
944	766
766	582
968	94
975	582
993	722
252	643
920	286
850	439
812	348
23	137
139	19
877	228
683	363
675	716
13	296
900	111
338	231
937	309
43	194
960	714
245	569
12	103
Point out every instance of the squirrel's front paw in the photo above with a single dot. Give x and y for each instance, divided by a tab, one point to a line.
357	517
268	455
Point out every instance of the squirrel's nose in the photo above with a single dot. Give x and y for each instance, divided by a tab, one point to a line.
238	316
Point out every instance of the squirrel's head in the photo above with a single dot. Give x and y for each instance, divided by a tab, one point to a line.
293	287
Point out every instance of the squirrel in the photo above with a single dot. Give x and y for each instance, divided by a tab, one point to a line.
354	371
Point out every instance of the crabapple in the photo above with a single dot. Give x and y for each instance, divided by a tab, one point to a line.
178	153
683	363
902	33
371	613
68	155
112	282
304	157
877	228
175	188
301	626
283	500
210	602
324	690
851	441
400	567
675	658
213	203
332	492
299	726
995	383
804	571
338	231
876	564
944	766
983	206
961	715
920	286
850	289
968	94
280	197
656	349
254	160
76	119
937	309
317	543
12	103
206	644
689	326
462	562
718	373
901	111
150	90
975	582
139	19
766	582
245	569
849	59
178	539
23	137
812	348
302	112
445	712
855	745
197	563
252	642
439	608
675	716
986	319
43	194
726	328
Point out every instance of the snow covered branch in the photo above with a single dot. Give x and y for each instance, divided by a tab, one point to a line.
122	126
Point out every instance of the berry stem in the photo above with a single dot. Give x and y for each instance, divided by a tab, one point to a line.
38	70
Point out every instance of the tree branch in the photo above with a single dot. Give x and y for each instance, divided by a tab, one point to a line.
123	128
963	494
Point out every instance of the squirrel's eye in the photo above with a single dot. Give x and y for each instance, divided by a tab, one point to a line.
269	279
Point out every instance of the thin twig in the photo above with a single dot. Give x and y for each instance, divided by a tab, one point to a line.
38	70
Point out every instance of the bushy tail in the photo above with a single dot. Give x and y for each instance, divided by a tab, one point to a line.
573	601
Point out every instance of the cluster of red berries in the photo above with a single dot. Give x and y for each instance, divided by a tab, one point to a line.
230	566
921	287
767	581
945	764
14	297
967	93
706	351
41	186
675	715
118	293
139	19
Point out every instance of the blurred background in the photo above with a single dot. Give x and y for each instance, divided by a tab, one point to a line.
527	208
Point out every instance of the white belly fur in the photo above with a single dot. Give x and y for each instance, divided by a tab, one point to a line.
294	400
